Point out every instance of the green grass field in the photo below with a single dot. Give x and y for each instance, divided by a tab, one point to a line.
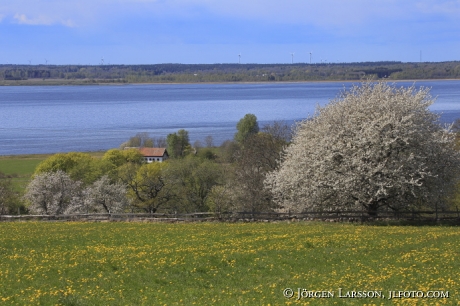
21	167
118	263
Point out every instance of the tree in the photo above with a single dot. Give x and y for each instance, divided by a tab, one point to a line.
209	141
193	178
53	193
374	147
221	199
147	186
114	159
279	131
257	157
140	140
9	198
456	126
245	127
79	166
228	151
104	196
117	158
178	143
160	142
197	145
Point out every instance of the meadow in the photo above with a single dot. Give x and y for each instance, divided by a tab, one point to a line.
21	167
120	263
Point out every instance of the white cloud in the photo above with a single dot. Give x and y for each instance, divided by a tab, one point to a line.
44	12
41	20
321	13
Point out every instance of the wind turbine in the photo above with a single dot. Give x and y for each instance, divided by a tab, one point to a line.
292	55
310	56
239	58
46	61
102	61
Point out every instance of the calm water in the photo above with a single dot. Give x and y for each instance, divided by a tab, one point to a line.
47	119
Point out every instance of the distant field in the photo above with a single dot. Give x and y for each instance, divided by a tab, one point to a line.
21	167
225	264
21	164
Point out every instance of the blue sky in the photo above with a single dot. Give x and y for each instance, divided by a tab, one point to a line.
216	31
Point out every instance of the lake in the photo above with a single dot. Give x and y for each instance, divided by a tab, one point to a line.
49	119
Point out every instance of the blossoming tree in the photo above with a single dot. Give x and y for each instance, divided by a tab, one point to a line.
374	147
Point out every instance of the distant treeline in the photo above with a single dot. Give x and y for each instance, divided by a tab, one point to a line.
196	73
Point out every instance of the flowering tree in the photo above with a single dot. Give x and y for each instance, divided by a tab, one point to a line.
374	147
104	196
52	193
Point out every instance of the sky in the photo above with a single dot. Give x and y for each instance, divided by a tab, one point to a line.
227	31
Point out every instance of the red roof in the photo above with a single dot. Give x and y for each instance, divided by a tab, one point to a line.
154	152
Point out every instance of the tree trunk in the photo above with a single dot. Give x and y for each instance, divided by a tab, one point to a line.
372	209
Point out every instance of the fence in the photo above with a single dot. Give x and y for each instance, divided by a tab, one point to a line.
347	216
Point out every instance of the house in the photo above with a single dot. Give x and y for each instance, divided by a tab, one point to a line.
154	154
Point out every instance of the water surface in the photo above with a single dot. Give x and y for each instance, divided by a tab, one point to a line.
48	119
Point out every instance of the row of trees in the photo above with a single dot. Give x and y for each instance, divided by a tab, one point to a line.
375	147
183	73
194	179
53	193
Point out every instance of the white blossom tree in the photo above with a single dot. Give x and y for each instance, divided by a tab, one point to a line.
104	197
374	147
53	193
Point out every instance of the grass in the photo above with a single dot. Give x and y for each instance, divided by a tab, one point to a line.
70	263
21	167
21	164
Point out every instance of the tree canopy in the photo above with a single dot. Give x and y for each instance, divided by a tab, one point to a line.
245	127
178	143
53	193
79	166
374	147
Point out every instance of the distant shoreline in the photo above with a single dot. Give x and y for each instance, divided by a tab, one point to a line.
83	83
41	75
